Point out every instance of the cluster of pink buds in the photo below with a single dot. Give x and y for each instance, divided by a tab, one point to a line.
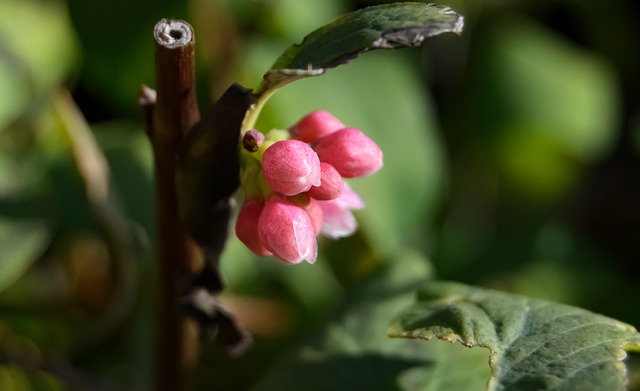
294	185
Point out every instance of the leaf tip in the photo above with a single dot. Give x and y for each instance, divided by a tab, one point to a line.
458	26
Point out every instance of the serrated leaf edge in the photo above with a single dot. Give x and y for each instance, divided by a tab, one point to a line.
632	344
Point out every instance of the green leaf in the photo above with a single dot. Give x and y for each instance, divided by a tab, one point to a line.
351	352
534	344
388	26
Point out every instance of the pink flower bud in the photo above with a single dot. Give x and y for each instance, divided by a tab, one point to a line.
351	152
291	167
337	219
314	211
330	183
247	225
286	230
314	126
312	208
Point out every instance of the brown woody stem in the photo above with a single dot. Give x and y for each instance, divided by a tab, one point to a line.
175	111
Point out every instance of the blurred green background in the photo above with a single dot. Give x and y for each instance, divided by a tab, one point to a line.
512	161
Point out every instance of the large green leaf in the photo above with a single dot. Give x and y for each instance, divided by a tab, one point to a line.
351	352
534	344
388	26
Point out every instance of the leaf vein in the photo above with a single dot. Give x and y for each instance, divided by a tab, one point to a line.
566	379
541	344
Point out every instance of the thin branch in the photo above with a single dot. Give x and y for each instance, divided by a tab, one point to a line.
175	113
147	102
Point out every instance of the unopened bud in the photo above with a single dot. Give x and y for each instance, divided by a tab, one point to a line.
331	183
247	225
314	211
286	230
291	167
351	152
314	126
